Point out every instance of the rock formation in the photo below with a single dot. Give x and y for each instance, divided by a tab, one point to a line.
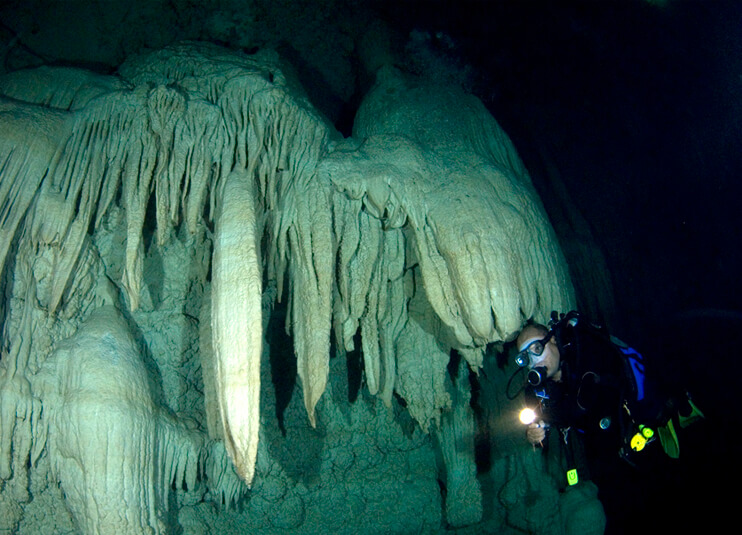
151	220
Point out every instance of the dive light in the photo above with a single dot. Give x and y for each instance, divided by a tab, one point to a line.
527	416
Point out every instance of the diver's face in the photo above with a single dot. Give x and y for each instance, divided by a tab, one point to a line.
540	352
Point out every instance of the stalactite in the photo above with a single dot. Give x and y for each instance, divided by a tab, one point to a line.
346	219
311	275
392	308
180	456
166	108
197	138
421	367
139	165
236	317
365	296
222	478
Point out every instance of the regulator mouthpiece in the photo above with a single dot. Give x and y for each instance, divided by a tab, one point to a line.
537	375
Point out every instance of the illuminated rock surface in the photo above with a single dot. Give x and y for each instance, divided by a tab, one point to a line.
421	234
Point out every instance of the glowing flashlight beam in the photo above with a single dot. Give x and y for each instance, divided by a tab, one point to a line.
527	416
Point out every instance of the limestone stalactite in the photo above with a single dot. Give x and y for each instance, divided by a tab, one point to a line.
237	323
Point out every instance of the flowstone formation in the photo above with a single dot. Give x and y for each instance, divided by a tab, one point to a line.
155	227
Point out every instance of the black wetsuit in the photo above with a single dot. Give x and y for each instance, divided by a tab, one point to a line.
588	409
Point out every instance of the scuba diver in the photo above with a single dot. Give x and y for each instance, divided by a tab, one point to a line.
591	389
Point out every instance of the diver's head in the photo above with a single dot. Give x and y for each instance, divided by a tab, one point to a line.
537	349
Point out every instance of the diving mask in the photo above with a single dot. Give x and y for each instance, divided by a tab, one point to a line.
533	352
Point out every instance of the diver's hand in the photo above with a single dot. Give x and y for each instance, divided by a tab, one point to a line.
536	433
